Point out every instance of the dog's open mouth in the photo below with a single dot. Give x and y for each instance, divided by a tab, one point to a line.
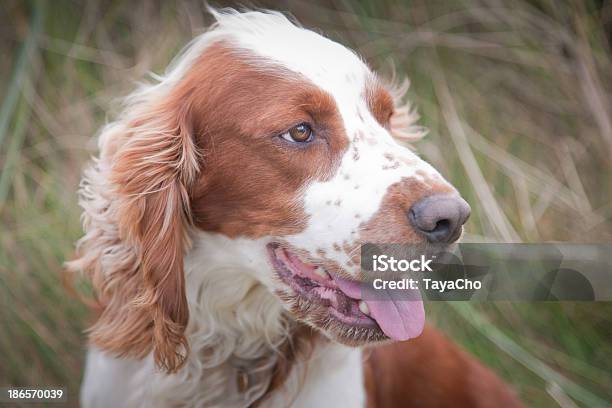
384	315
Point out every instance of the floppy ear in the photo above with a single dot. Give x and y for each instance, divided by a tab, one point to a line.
137	218
404	120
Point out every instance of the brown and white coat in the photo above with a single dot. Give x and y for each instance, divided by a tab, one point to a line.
199	183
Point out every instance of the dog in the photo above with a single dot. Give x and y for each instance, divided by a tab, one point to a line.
223	221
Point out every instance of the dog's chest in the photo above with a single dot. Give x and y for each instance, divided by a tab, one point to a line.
333	377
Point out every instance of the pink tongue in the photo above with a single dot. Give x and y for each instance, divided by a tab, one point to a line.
399	319
400	316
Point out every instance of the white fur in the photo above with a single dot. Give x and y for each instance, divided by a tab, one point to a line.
236	322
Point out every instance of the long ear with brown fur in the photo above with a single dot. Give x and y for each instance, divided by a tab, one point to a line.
148	164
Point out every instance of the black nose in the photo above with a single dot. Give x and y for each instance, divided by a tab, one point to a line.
439	217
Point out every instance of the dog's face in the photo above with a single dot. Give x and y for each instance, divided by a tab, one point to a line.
279	142
300	160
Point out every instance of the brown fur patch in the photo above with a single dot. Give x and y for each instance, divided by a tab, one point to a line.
251	178
431	371
380	102
153	163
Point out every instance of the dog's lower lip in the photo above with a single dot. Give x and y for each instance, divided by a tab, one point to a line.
326	293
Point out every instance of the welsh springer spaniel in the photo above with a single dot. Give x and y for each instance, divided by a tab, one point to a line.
223	222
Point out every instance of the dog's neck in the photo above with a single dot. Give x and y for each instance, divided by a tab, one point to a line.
244	348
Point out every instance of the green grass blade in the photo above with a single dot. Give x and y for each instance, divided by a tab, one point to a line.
20	71
520	354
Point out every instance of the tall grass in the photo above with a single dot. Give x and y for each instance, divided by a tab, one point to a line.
516	94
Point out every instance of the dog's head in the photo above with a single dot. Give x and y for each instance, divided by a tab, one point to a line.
283	142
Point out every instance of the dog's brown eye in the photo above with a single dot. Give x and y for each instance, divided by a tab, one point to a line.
301	133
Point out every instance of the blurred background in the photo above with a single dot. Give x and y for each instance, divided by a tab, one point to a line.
517	96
